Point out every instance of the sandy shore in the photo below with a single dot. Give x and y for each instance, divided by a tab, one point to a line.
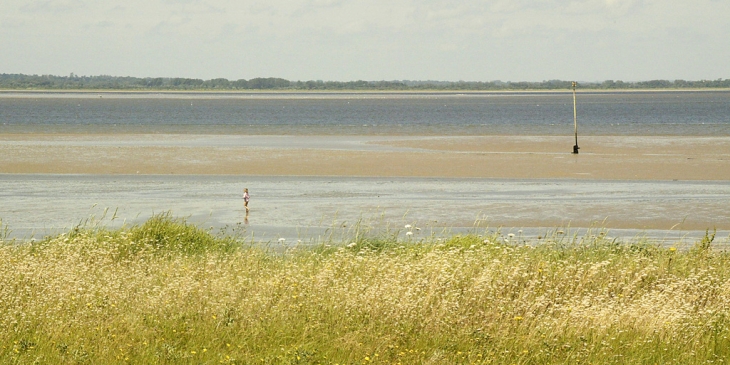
620	182
531	157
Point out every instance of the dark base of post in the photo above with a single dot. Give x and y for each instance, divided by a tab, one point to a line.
575	149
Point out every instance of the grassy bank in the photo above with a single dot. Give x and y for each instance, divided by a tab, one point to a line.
169	292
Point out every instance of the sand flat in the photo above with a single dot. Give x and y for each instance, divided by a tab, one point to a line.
519	157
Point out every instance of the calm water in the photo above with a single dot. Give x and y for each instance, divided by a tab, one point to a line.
310	208
636	113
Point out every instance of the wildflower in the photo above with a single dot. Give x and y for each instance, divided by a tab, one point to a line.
409	233
517	318
352	244
282	240
511	235
672	249
408	226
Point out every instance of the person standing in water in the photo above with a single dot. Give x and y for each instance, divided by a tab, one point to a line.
246	198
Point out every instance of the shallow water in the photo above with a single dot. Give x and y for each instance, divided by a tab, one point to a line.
314	208
311	208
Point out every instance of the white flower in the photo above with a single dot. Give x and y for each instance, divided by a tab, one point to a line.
352	244
409	233
408	226
511	235
282	240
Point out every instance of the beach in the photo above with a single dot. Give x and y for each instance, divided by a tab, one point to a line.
494	157
650	163
303	186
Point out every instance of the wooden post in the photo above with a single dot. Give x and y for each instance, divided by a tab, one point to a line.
575	122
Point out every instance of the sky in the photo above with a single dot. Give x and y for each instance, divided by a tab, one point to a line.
343	40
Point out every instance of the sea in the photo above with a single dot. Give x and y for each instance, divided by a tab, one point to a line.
306	210
695	113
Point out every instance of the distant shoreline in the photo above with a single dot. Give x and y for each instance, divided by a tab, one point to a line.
99	83
15	93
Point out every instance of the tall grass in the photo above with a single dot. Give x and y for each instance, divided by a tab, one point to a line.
169	292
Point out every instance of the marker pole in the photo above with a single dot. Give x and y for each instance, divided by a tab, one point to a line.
575	122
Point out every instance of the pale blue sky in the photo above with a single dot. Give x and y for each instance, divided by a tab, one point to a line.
509	40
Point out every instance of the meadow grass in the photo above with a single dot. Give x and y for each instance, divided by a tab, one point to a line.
169	292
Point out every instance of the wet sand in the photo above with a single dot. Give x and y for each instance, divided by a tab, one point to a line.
529	157
310	208
668	185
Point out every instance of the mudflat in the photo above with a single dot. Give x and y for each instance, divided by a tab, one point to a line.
519	157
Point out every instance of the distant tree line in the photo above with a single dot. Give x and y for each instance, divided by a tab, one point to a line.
105	82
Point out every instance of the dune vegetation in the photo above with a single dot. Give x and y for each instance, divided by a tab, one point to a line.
170	292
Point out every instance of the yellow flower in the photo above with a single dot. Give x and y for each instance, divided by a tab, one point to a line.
517	318
672	249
